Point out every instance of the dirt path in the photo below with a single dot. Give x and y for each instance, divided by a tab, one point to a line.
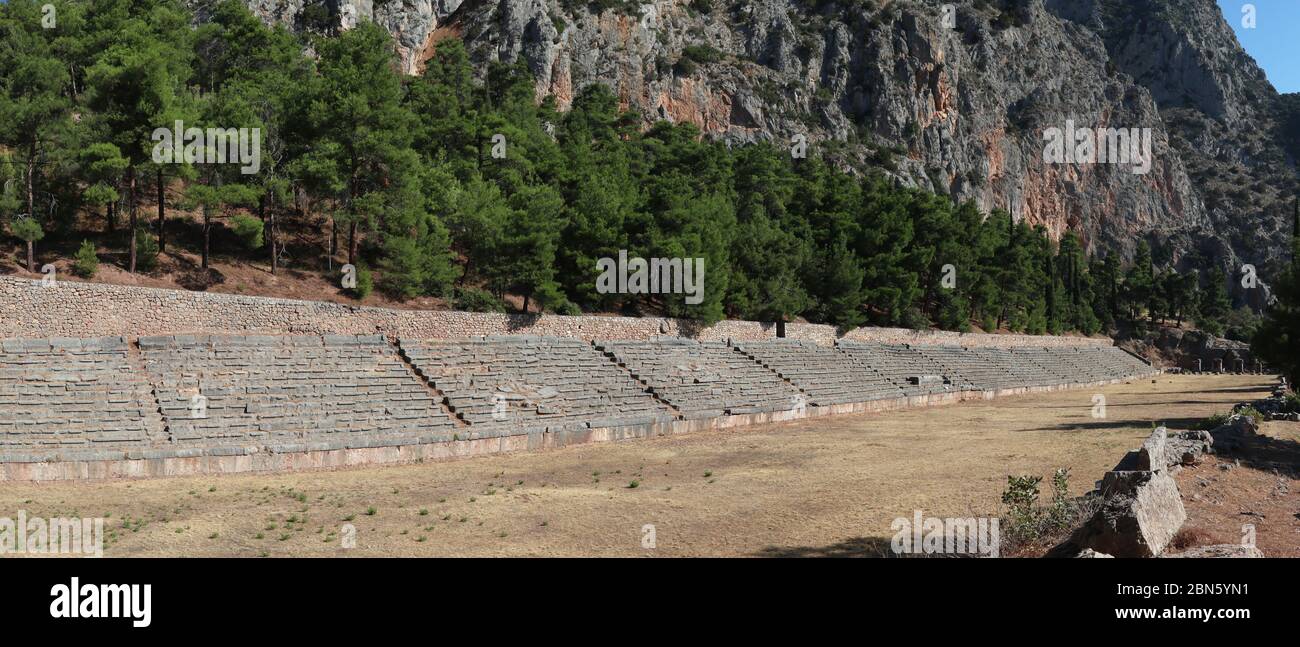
831	486
1257	487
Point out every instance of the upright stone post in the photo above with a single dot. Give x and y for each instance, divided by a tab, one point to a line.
1241	366
1198	366
1218	365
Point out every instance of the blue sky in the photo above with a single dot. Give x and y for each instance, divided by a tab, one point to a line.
1275	40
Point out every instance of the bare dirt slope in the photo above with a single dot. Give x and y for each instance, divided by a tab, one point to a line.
1259	487
830	486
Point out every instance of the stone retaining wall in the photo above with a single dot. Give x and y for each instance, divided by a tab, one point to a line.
194	462
31	309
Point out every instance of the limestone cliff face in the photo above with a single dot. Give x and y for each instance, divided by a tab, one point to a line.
953	102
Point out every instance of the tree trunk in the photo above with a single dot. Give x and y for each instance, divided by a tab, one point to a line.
207	229
334	242
270	237
31	257
111	213
162	216
131	175
31	181
352	243
526	298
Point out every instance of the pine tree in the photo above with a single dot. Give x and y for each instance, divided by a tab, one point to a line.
363	129
1215	304
28	230
34	105
135	83
768	256
1277	341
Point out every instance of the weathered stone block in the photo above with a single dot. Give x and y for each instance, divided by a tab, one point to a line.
1142	512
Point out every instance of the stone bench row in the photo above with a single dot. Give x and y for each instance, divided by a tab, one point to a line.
530	381
827	375
704	378
212	390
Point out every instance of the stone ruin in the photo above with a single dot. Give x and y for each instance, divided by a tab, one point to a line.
1142	509
186	404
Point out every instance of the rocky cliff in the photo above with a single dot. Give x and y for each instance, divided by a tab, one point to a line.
953	98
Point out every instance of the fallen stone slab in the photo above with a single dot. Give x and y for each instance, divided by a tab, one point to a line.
1150	457
1219	551
1187	447
1231	435
1089	553
1142	511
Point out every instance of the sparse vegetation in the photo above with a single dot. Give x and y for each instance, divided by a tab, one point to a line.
86	263
1027	523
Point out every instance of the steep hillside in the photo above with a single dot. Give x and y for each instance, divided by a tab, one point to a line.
958	109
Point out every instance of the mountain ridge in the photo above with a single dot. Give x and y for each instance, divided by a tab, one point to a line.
956	110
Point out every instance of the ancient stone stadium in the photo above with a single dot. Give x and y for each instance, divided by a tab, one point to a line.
129	405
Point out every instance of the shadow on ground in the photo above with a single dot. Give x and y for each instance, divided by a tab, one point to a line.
877	547
1172	423
1268	454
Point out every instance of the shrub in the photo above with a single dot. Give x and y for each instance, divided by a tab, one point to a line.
693	55
1292	403
568	308
146	251
476	300
1027	522
1214	422
365	283
86	263
1253	413
248	229
1021	499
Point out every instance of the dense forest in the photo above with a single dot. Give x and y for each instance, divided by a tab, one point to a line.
462	186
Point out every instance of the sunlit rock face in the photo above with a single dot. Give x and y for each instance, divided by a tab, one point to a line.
955	102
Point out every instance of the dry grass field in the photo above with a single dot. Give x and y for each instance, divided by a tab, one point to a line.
823	487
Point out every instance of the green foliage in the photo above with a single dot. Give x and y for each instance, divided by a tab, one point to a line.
27	229
1215	303
702	6
1292	403
1021	500
475	300
459	184
1252	413
1277	339
365	283
1214	422
248	229
146	250
1242	324
695	55
1025	521
86	263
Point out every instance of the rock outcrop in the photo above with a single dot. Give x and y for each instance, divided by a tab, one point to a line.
953	102
1141	508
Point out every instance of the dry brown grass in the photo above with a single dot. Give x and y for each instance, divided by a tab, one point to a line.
821	487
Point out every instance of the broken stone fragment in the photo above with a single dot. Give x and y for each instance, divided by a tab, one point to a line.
1151	456
1089	553
1187	447
1141	513
1220	551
